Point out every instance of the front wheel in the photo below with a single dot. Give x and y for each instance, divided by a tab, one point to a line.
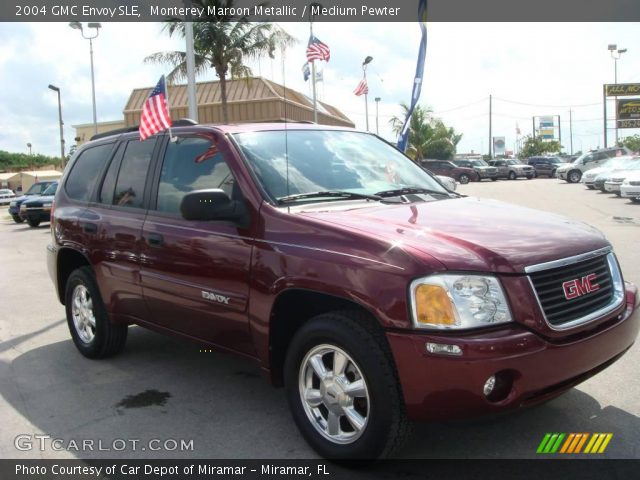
91	330
574	176
342	388
464	178
512	175
17	219
493	179
33	223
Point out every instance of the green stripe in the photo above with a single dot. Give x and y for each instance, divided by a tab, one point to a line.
550	443
543	443
558	442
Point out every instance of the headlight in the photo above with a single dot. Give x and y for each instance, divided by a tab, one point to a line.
46	205
458	302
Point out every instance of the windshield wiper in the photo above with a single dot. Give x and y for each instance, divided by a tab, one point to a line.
409	190
328	194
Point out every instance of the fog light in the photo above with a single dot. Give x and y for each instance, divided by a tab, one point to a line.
443	349
489	385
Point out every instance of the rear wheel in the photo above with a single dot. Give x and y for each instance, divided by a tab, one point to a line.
574	176
591	187
33	223
493	179
463	178
17	219
91	330
512	175
342	388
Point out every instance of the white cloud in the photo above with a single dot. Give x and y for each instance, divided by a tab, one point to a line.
538	64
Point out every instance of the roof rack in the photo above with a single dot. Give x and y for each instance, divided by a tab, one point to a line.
183	122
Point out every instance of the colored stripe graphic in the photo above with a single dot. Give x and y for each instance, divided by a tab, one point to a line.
573	443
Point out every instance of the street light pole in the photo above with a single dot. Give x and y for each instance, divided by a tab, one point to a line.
97	26
377	99
616	53
366	62
57	90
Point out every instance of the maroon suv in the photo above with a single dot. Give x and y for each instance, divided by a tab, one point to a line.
450	169
346	271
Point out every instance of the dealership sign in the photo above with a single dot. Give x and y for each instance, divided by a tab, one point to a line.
628	109
635	123
622	90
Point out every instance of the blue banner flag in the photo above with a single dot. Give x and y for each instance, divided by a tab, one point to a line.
417	82
306	73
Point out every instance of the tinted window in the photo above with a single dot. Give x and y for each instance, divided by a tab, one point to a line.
109	182
86	169
191	163
38	188
133	174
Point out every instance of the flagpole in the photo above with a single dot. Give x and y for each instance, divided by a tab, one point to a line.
366	95
313	75
166	97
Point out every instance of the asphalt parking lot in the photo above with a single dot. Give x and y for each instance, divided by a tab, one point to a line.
165	389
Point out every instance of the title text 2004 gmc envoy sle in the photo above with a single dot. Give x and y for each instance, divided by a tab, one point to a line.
374	295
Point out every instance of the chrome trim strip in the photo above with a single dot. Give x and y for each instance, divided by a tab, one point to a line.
563	262
616	300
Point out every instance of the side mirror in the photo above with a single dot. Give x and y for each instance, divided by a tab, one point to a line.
213	204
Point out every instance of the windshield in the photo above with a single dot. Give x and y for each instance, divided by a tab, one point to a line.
37	188
479	163
513	162
329	160
51	189
555	160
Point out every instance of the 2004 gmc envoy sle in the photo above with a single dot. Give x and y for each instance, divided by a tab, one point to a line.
354	278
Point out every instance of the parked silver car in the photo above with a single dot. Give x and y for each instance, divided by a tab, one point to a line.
512	169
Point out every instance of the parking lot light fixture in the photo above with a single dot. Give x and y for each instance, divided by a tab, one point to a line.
97	26
616	53
366	62
57	90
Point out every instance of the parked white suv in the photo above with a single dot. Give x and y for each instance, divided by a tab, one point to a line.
572	172
611	165
630	187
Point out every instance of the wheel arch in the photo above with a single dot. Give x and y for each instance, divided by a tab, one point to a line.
292	309
68	260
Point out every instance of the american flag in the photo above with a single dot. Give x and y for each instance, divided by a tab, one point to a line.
362	88
316	50
155	114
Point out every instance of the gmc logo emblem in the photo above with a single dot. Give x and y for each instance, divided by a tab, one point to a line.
579	287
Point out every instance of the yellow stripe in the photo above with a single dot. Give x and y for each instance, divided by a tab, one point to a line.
574	443
582	440
591	442
567	442
598	442
606	442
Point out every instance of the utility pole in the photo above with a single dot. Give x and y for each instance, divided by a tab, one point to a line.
490	139
571	131
559	133
191	70
533	126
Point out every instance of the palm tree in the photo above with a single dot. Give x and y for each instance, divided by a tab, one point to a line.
428	137
223	43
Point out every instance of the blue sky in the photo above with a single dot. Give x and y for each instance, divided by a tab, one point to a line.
529	68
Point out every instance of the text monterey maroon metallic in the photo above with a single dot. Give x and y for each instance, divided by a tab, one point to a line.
357	281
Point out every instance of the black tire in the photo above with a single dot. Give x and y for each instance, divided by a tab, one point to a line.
529	177
493	179
574	176
635	200
553	174
17	219
463	178
591	187
535	174
618	194
386	425
33	223
108	338
512	175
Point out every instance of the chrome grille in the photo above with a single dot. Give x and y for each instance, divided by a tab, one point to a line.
563	290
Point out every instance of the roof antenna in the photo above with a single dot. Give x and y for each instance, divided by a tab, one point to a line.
286	121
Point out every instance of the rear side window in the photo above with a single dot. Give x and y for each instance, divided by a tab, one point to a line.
86	169
129	190
109	182
191	163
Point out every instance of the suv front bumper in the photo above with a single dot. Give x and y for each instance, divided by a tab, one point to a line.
436	386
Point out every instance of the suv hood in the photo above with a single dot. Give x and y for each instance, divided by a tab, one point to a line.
469	233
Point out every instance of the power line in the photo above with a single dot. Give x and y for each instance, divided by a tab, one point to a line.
547	106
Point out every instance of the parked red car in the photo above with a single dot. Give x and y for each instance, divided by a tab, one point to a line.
450	169
352	277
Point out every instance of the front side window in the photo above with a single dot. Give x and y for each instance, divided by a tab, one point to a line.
310	161
191	163
129	191
85	171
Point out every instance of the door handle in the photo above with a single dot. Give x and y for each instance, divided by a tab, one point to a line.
155	239
89	227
